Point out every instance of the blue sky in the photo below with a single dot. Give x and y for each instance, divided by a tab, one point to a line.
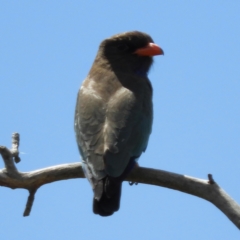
47	49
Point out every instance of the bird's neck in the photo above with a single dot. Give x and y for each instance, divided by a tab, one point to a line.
141	70
141	73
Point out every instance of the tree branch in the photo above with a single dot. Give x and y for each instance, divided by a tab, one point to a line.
206	189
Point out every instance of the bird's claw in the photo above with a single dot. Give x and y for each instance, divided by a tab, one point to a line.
131	183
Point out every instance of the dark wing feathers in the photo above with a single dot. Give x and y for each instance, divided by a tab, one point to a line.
89	120
122	118
109	132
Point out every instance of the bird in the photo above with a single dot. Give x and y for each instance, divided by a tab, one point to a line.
114	115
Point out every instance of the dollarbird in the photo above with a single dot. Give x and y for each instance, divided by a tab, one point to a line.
114	114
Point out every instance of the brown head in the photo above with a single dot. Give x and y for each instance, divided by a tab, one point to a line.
129	52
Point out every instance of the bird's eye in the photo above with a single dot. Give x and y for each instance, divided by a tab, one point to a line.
122	47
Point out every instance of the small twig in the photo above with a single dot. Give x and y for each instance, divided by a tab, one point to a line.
210	179
15	145
9	155
29	202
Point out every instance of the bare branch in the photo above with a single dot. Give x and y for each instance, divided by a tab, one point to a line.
206	189
15	145
9	155
29	202
210	178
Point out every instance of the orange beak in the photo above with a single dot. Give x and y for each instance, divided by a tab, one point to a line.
150	50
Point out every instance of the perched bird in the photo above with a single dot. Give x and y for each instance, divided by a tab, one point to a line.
114	113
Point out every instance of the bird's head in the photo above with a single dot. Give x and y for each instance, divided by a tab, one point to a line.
129	52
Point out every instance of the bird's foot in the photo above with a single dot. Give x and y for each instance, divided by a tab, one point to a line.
133	183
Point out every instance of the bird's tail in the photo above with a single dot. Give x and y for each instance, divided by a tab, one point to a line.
107	196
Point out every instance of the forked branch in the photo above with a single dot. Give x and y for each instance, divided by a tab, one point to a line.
206	189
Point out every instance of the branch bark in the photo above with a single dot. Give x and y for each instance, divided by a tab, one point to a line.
205	189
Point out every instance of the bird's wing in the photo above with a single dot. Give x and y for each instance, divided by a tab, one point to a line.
111	132
127	129
89	121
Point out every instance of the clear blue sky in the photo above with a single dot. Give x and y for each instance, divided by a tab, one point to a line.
47	49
